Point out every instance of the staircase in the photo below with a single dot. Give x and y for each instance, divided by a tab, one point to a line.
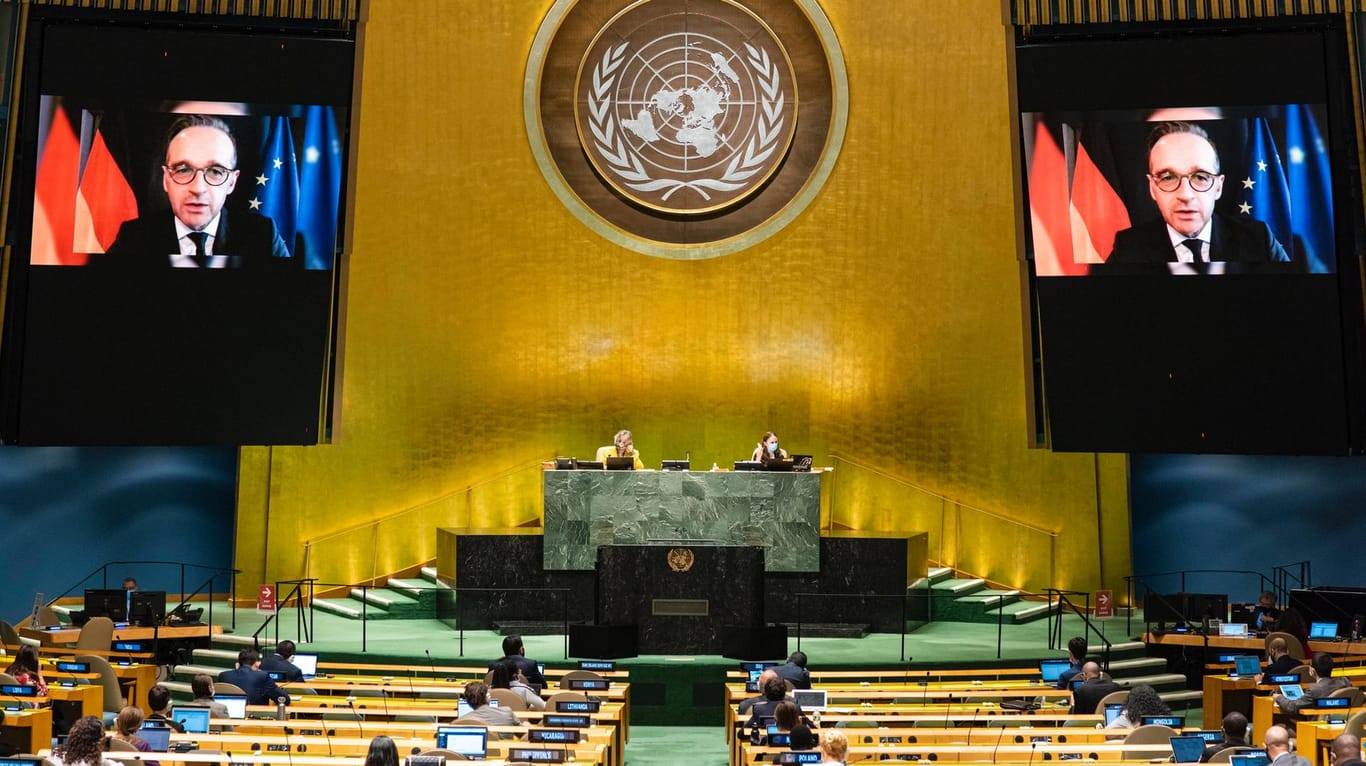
972	600
399	599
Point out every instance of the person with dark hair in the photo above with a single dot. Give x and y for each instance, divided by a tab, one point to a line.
1265	615
1076	654
260	687
383	752
1235	735
1143	701
1086	698
481	712
1184	180
775	691
280	662
789	721
514	649
795	671
202	688
129	584
159	702
1325	685
1345	750
506	675
84	746
768	449
26	670
126	727
1292	622
199	173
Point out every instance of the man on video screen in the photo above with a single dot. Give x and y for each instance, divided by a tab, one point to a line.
1185	181
199	174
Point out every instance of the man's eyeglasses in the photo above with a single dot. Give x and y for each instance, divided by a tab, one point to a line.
1199	180
214	175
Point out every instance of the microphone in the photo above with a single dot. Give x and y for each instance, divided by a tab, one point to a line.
998	744
384	698
351	703
1032	747
411	691
948	710
972	722
327	734
289	747
431	664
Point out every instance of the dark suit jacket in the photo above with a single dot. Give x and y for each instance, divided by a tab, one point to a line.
250	240
799	677
1088	695
527	666
260	689
1232	239
1284	664
281	665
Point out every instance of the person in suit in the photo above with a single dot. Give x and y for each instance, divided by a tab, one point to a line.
1281	661
1086	698
260	688
1277	742
515	649
280	662
1324	686
795	671
199	174
1346	750
622	446
1235	735
1185	182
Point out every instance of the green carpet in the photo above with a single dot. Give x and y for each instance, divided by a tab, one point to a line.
667	745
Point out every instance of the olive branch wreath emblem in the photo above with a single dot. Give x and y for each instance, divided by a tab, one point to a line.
623	161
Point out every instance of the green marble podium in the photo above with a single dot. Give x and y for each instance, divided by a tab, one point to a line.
779	511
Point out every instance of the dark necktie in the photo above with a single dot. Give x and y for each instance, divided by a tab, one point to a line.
1198	263
200	239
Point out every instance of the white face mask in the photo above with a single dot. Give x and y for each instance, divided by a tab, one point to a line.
773	446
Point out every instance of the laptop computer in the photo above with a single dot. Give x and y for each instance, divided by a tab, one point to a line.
1233	629
802	463
1249	759
156	735
1247	666
810	700
462	708
307	664
1292	691
194	719
235	703
1323	631
1112	711
1188	749
675	465
1052	669
470	741
621	463
777	465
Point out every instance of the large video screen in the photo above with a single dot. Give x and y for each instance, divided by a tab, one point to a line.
176	225
1190	211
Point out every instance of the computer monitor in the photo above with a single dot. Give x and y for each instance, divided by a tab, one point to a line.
462	707
107	602
1052	669
676	465
194	719
1247	666
1112	711
1249	759
156	735
810	700
307	664
1233	629
235	703
147	607
469	741
1188	749
621	463
1324	631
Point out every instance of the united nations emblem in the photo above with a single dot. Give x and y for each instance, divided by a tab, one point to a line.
689	110
686	128
680	559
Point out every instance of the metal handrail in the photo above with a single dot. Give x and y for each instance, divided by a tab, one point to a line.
103	571
1055	626
1131	580
904	617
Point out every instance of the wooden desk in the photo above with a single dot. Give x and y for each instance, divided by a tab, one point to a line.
139	679
68	635
87	698
29	730
940	753
1224	695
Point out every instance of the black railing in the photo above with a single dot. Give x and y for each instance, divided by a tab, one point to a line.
1282	575
1055	632
215	573
1263	583
906	611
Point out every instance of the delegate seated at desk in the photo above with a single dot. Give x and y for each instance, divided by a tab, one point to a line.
1323	687
621	446
768	449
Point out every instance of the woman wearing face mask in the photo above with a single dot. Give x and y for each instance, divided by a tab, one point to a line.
768	449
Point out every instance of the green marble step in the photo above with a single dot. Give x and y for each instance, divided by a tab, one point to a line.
956	587
977	606
349	608
1022	611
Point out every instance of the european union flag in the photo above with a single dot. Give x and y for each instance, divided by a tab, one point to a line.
1311	190
277	186
1263	193
319	187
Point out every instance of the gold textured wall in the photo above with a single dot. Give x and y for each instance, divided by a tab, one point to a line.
487	329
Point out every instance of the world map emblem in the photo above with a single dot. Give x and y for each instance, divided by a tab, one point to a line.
689	111
686	129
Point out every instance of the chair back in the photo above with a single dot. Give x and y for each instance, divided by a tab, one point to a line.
47	616
508	698
1120	696
113	693
8	635
449	755
1352	693
1152	734
117	745
578	675
1223	755
1356	725
1293	647
223	687
1305	673
96	635
563	697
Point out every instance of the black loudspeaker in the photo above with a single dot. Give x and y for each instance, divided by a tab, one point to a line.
754	642
602	642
